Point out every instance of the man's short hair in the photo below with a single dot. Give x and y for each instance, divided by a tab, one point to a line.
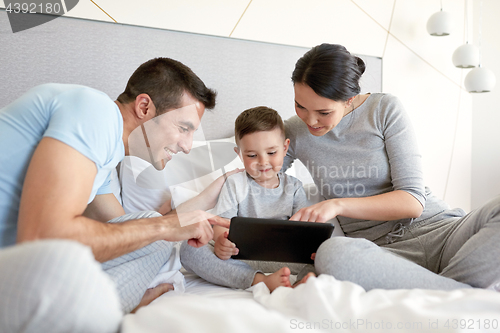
258	119
165	80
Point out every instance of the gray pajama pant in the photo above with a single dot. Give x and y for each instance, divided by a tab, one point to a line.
133	272
229	273
443	253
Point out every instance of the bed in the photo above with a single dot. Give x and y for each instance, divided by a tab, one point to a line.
321	304
245	74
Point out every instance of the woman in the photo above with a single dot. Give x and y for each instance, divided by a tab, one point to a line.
362	154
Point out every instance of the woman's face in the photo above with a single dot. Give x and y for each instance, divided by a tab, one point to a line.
320	114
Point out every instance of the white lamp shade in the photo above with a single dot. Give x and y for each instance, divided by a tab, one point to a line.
466	56
440	24
480	80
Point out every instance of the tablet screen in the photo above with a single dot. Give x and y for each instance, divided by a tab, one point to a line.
277	240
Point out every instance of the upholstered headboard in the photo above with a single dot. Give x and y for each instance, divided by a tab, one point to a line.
103	56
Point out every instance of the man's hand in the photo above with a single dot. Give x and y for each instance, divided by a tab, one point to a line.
224	248
195	226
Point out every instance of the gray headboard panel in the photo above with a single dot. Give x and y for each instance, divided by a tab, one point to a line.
103	56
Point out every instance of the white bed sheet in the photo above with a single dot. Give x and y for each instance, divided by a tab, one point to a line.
322	304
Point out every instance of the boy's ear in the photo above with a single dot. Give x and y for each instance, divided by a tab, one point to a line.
237	150
287	144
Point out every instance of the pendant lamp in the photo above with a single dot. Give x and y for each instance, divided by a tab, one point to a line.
480	80
466	56
440	24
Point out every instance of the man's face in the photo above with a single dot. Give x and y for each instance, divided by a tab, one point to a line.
158	139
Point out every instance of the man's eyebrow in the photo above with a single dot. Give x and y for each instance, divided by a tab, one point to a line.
187	124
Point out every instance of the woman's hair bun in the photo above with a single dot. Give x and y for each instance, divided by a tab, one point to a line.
361	65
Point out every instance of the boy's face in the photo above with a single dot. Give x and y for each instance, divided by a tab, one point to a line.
262	154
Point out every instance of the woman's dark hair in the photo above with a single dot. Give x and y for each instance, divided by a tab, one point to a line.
331	71
165	80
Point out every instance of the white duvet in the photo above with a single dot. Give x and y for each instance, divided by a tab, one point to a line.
322	304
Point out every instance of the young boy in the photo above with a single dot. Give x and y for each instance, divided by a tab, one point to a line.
263	191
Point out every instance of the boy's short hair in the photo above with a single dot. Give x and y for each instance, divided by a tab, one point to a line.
258	119
165	80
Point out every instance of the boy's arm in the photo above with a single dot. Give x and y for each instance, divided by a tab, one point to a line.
53	201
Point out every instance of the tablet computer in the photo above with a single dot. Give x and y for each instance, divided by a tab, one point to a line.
277	240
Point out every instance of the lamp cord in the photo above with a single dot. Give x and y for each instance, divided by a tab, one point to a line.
480	31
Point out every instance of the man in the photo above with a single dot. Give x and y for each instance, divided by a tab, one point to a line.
58	146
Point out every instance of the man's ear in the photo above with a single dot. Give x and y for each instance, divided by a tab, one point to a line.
144	107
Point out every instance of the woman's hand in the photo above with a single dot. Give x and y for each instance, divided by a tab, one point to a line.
224	248
320	212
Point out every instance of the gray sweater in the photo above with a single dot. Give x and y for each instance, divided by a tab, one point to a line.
373	150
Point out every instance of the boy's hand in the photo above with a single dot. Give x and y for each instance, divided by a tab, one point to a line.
224	248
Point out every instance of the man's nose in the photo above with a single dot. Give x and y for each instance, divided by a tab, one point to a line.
185	146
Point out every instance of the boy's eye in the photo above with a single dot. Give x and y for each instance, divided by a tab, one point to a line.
251	156
271	153
324	113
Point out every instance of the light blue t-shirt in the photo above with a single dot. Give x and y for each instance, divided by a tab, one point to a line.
81	117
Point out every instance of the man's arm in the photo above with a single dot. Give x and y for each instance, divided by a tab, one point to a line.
56	189
103	208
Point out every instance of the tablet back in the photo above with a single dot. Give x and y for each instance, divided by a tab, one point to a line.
277	240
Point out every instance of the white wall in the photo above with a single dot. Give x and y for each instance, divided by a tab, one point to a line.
417	67
486	110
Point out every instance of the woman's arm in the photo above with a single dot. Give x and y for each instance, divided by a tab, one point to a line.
394	205
205	200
